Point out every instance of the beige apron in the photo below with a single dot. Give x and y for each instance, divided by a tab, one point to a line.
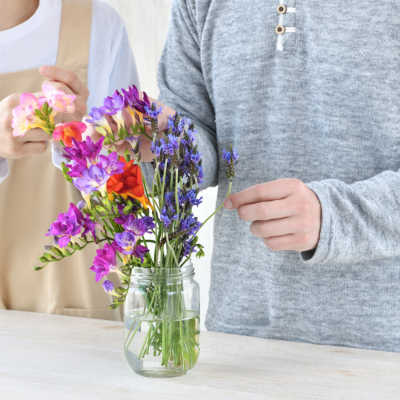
33	196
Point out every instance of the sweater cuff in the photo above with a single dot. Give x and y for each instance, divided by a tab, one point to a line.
4	170
321	253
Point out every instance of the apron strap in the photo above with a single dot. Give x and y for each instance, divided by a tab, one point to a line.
75	36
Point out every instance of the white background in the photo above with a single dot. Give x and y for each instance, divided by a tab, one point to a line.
147	25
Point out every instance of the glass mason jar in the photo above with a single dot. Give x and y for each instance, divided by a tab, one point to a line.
162	314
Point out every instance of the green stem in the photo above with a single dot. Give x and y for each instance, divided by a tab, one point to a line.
220	206
207	219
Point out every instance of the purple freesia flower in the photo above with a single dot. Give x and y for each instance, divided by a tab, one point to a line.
104	261
114	103
126	242
132	99
108	286
76	169
92	179
88	226
139	226
85	151
66	226
131	95
96	115
111	164
140	252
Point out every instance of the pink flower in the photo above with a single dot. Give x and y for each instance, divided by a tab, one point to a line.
59	101
24	117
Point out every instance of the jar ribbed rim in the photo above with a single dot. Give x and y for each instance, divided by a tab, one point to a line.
163	273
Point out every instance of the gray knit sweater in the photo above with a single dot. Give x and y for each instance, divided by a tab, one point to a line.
320	102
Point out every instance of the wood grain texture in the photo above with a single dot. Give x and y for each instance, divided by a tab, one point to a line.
46	357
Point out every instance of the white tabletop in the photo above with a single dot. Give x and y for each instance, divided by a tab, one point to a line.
55	357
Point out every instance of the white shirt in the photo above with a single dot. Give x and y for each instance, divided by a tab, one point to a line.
35	43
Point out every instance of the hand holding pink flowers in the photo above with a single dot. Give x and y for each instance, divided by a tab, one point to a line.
12	147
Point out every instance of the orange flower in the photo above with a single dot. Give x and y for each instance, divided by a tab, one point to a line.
67	132
129	183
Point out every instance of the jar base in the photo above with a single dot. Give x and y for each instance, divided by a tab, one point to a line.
160	373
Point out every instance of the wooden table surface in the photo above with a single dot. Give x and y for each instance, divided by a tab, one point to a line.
55	357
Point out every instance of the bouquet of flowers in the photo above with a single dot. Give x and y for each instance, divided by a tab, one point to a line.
137	225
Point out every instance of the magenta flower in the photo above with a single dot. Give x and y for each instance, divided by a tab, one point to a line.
66	226
84	152
104	261
76	169
126	242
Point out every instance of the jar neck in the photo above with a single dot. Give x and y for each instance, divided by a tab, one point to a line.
167	275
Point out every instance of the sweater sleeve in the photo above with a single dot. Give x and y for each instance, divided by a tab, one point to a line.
360	221
182	85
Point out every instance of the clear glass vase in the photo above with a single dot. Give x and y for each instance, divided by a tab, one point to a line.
162	314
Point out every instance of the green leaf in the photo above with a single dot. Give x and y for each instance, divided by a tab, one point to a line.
65	171
128	208
39	114
68	252
101	209
48	257
57	251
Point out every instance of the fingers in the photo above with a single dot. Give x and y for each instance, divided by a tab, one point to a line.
274	190
279	227
11	101
285	213
267	210
286	242
33	148
60	86
68	78
34	135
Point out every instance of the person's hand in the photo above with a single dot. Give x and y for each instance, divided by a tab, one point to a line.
285	213
32	143
69	83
